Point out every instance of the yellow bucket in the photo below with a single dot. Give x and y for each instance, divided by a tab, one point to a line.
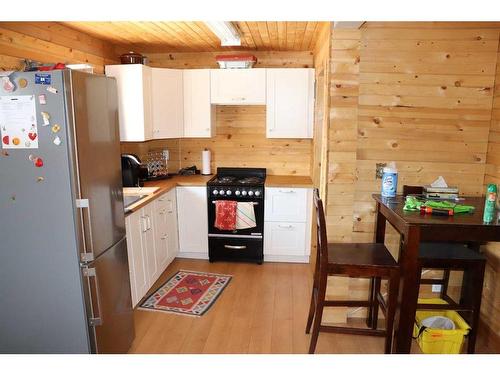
439	341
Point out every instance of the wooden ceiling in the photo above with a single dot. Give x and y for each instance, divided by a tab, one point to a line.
197	37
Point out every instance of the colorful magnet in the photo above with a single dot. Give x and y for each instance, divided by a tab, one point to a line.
23	82
7	85
42	99
51	89
16	141
57	141
27	144
55	128
5	140
38	162
5	153
39	179
31	157
32	135
46	118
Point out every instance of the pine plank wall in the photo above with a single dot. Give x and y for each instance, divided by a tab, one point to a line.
422	95
425	95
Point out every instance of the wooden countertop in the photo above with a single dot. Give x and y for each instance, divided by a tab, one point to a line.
198	180
289	181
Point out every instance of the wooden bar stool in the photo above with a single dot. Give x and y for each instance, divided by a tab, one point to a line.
361	260
448	256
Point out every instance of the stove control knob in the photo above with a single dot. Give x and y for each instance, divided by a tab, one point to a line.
250	193
228	192
243	193
257	193
215	192
221	192
237	192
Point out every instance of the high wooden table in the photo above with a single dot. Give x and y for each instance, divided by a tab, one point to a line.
414	228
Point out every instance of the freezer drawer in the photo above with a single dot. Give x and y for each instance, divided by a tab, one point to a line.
109	302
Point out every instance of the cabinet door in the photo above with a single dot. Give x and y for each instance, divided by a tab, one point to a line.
161	232
132	106
238	86
290	103
147	102
193	222
286	204
167	103
285	238
172	228
199	113
135	227
148	244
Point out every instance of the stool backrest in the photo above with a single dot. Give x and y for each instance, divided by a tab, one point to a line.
322	241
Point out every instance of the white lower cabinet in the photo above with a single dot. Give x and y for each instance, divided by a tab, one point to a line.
287	226
192	221
135	227
151	243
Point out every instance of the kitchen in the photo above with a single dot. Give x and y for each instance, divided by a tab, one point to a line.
321	111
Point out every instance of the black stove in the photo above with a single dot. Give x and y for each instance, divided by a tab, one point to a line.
240	185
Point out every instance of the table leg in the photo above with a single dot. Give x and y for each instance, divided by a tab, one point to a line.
408	293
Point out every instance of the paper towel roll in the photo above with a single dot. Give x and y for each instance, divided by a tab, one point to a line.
205	157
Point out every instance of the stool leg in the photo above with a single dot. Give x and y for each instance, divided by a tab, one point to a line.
375	304
392	302
444	286
312	306
369	315
472	289
319	311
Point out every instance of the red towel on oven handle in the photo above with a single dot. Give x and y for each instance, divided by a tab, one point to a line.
225	215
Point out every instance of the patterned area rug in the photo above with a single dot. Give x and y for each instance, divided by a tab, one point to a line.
187	292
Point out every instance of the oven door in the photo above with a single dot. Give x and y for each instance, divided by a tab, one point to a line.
257	231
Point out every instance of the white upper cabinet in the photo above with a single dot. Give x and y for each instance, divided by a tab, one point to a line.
290	103
167	103
238	86
199	113
134	100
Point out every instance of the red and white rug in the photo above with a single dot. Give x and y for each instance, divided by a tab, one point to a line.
187	292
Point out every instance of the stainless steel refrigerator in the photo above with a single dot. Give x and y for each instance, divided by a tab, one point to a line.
64	279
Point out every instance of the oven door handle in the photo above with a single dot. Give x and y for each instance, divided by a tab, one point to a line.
233	247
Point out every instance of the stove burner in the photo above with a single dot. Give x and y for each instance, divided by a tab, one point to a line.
250	180
225	179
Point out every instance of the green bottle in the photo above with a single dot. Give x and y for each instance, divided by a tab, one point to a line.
490	203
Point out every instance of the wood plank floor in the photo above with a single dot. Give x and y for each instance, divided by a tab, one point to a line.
263	310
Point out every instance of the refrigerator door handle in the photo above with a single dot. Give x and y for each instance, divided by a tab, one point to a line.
91	273
88	254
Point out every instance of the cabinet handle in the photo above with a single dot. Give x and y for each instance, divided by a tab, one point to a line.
286	191
144	223
149	222
289	226
164	237
235	247
162	212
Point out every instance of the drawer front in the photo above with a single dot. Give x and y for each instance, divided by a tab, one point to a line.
246	249
285	238
286	204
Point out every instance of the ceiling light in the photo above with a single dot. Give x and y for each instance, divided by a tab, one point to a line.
226	31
